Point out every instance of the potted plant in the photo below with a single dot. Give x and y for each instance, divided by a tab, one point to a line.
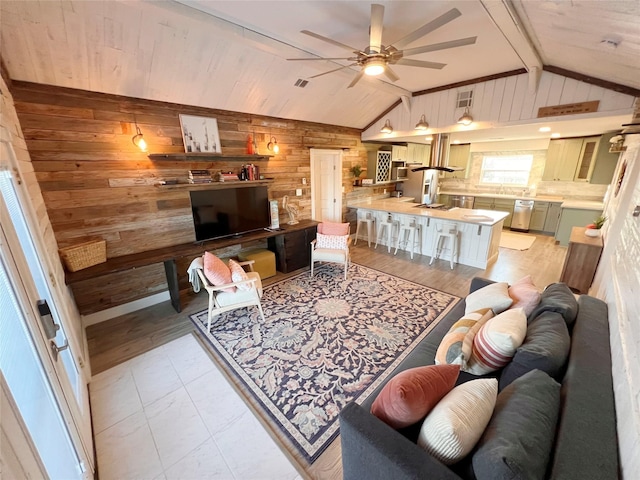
357	171
593	229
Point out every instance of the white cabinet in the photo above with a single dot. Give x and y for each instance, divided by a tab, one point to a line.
379	166
418	153
570	159
399	153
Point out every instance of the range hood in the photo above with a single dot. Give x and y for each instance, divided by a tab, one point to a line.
439	155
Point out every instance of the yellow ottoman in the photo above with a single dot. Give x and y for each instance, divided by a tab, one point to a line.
265	261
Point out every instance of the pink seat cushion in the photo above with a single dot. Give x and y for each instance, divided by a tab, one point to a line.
333	228
410	395
217	272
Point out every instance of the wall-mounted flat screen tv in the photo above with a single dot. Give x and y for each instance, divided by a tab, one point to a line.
229	211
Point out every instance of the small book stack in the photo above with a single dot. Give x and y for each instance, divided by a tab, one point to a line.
252	172
228	177
199	176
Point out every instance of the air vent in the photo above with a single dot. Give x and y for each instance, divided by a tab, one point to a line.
301	83
464	99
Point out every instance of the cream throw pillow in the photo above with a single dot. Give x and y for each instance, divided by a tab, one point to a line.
457	422
494	296
334	242
496	342
238	274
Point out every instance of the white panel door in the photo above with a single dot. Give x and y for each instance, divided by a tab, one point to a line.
326	185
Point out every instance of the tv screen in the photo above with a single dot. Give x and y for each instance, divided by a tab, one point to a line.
229	211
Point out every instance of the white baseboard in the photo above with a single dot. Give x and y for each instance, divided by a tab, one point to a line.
114	312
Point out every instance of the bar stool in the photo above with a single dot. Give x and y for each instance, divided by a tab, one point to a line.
409	235
387	227
369	221
445	231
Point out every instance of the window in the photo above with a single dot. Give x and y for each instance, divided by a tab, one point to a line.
506	170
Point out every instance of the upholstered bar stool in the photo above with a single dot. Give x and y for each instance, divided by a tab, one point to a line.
387	228
445	232
409	235
369	221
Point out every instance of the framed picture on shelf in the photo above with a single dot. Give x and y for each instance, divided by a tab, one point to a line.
200	134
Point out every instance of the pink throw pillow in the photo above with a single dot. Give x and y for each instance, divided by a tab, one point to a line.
333	228
217	272
334	242
525	295
238	274
410	395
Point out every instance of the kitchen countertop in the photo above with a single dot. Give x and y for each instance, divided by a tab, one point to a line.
406	206
582	205
541	198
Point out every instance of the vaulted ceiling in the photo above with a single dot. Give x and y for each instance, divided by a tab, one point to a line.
232	55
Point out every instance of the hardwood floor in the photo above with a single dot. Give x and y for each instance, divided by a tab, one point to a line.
117	340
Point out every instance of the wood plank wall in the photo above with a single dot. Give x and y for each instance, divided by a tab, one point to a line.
96	183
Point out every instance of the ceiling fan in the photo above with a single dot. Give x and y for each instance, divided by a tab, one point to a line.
376	58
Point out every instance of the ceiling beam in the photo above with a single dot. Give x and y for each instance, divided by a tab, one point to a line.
616	87
507	21
471	81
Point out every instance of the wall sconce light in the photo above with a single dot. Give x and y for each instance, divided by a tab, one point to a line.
387	128
466	119
617	144
272	146
138	139
422	124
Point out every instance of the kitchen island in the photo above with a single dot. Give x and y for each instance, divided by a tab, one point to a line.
479	230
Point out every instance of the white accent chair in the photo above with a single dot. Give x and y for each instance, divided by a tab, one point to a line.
220	302
333	255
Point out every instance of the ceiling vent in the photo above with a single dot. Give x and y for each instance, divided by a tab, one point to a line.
464	99
301	83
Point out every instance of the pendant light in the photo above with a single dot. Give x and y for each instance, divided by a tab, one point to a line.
138	139
387	128
466	119
422	124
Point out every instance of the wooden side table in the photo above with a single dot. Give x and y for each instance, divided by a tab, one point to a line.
583	255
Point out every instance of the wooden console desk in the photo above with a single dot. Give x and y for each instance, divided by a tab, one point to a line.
168	255
583	255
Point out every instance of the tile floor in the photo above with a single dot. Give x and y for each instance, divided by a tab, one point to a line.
170	414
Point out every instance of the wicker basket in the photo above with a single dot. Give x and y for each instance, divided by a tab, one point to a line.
84	255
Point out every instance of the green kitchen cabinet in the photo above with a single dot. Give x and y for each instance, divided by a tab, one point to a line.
573	217
458	158
570	159
482	203
605	162
444	199
552	218
504	205
538	216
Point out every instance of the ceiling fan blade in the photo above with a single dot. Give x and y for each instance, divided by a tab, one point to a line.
328	40
419	63
356	78
331	71
440	46
428	28
375	29
391	75
351	59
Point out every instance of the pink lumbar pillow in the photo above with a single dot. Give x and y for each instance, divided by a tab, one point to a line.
525	295
333	228
410	395
217	272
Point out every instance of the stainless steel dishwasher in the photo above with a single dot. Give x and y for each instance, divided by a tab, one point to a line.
522	210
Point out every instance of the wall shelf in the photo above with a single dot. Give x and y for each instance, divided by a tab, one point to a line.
203	157
209	186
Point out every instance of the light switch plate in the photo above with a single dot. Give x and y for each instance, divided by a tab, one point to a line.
298	192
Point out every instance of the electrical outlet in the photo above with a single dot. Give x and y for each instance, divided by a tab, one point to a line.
298	192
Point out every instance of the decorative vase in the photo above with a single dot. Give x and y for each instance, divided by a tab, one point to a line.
592	232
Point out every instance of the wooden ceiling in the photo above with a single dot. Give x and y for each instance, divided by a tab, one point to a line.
232	55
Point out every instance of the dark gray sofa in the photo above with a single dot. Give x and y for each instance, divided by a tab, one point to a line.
585	446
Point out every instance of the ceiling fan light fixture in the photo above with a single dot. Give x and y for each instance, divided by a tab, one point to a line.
272	146
466	119
387	128
374	66
138	139
422	124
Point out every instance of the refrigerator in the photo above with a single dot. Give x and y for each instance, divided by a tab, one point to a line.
422	185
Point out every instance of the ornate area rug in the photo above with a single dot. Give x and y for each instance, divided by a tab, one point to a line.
326	341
